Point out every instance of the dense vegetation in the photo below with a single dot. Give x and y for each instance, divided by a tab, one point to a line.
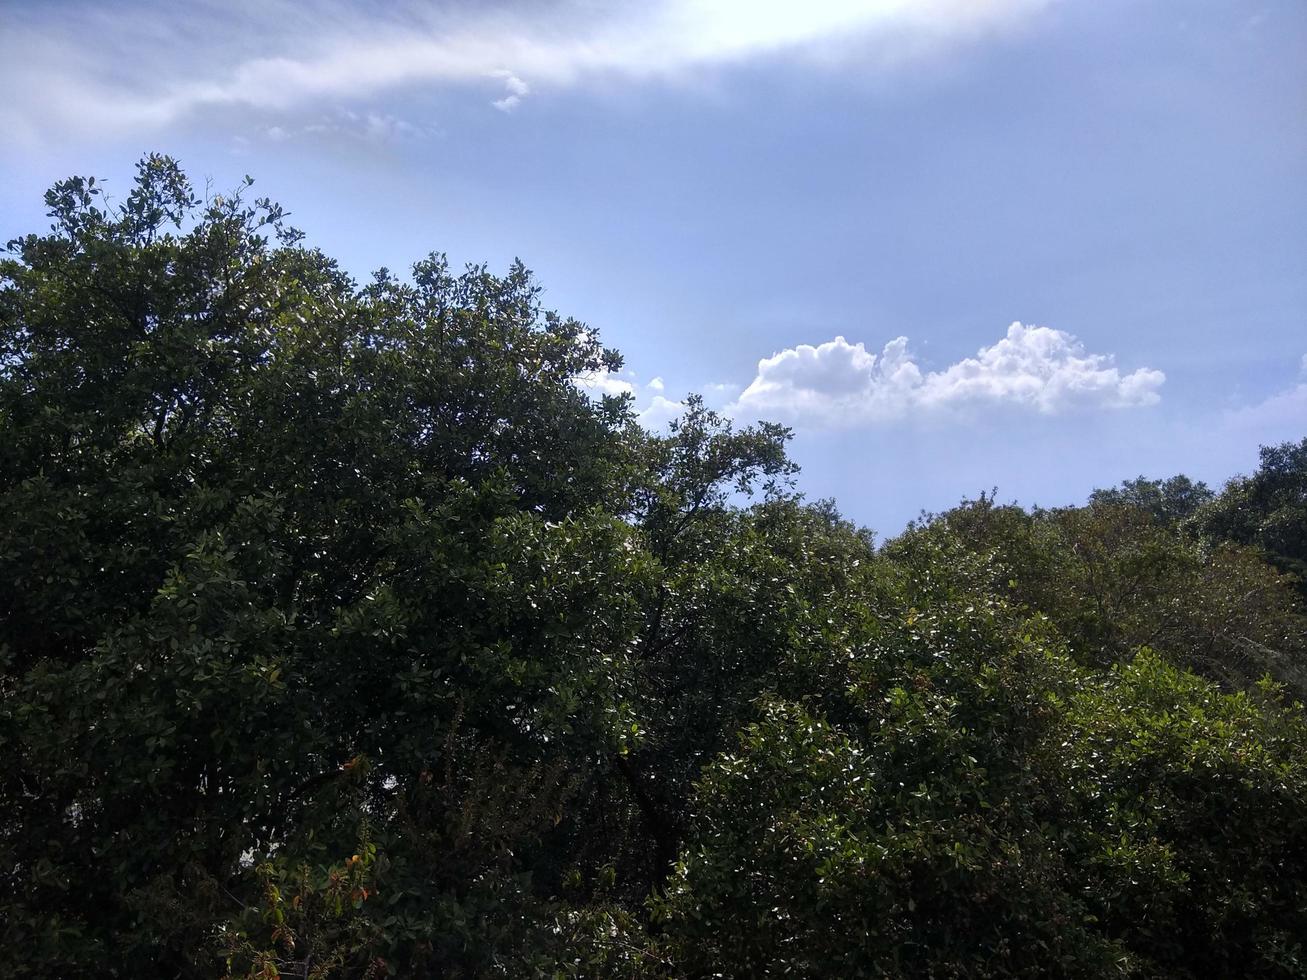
342	633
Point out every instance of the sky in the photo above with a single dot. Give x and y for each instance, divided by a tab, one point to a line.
1034	245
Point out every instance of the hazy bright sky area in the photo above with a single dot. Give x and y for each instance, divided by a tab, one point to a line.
1042	245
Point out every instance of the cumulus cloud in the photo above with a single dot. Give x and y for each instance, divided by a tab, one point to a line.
1031	367
660	411
79	67
599	383
653	409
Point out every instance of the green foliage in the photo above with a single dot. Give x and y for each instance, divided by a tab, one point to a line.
903	838
981	822
1267	510
1195	801
310	924
343	634
260	522
1169	502
1113	578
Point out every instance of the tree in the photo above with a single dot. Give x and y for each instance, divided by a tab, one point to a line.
990	810
288	557
285	556
1114	578
1169	501
1267	510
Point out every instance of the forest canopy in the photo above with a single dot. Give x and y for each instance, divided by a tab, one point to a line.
344	634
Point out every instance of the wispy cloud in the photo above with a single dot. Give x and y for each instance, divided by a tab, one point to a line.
369	126
1281	416
88	68
515	88
1036	368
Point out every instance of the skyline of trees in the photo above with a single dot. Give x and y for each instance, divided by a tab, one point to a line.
343	634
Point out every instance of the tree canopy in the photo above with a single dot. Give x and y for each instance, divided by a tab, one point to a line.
344	634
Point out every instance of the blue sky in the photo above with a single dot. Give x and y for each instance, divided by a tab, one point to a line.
1085	217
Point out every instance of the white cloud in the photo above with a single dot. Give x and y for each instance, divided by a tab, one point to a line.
1281	416
652	408
370	126
1032	367
515	88
77	67
604	382
721	391
659	412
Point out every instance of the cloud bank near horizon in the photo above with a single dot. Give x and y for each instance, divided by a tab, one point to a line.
87	69
1034	368
1280	416
838	384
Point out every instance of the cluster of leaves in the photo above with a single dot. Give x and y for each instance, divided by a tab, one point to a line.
1267	510
343	634
1129	571
306	926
